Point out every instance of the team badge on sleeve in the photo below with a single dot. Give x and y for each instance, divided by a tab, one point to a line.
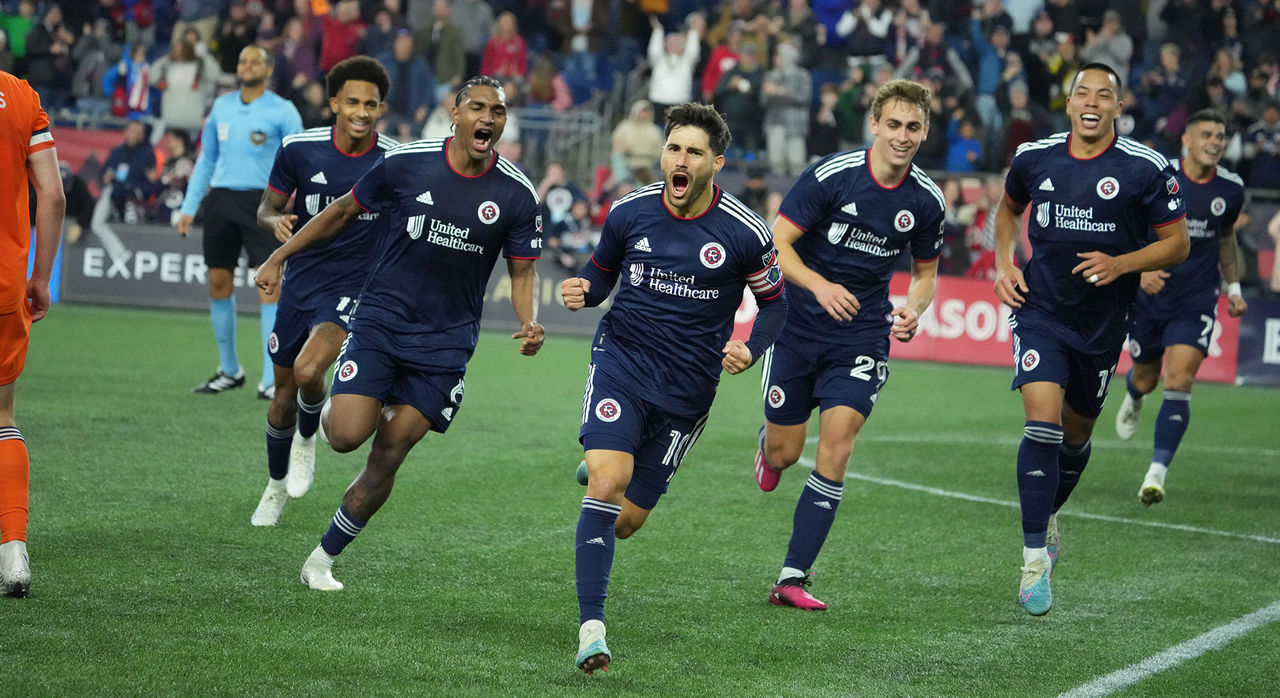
608	410
1172	185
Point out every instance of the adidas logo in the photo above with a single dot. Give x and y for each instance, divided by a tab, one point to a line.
1046	185
318	178
824	504
1175	418
596	541
1035	473
850	208
425	198
643	245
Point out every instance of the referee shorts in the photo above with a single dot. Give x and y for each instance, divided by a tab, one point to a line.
231	224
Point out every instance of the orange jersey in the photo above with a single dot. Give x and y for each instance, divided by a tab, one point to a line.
24	129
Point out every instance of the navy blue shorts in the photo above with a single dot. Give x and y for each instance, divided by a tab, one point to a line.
367	366
1149	336
1039	356
293	327
613	420
798	376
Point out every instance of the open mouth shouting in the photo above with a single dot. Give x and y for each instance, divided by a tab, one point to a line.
482	138
679	184
1090	120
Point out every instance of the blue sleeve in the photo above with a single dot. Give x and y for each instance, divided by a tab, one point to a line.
205	163
768	324
1015	184
371	191
805	204
524	240
605	263
292	120
282	179
1162	198
926	244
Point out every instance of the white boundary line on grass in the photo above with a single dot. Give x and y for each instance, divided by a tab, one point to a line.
1172	657
809	463
1011	441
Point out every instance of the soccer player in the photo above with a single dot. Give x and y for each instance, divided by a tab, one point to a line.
1176	308
687	250
239	142
316	302
1095	196
839	231
451	205
27	154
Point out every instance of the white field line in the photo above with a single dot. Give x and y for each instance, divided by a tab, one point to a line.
808	463
1172	657
1212	448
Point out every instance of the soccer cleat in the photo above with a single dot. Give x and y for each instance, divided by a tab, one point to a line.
220	382
271	506
1034	593
267	393
302	466
317	571
767	477
1127	417
792	592
15	569
324	414
1152	490
592	652
581	474
1053	541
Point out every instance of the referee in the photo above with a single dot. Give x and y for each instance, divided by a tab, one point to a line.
241	136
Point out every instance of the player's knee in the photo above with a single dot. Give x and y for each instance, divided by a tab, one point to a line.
309	373
283	409
1145	381
623	529
783	455
344	440
1179	380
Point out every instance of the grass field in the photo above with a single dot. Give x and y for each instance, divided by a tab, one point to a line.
148	579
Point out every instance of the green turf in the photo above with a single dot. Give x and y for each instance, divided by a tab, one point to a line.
148	578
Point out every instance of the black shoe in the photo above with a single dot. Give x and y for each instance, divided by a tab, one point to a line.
220	382
267	393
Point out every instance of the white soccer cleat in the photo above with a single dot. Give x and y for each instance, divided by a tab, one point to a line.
593	654
324	414
1127	417
271	506
317	571
15	569
1152	490
302	466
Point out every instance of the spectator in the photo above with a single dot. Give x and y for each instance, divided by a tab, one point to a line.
475	19
296	61
546	85
1024	121
723	57
186	81
1262	149
341	33
49	64
800	25
6	56
964	152
94	53
557	192
1165	89
673	58
505	54
412	89
738	97
201	15
378	39
238	30
439	121
824	127
18	26
932	53
175	172
313	105
441	44
569	240
1041	46
637	144
786	94
577	26
1226	67
129	84
1062	66
129	172
1110	45
866	28
755	193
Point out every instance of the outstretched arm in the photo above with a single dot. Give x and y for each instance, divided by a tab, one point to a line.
524	278
51	203
332	220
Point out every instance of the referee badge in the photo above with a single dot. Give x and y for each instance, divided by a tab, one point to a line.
257	137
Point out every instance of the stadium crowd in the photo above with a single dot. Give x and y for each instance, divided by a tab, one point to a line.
793	77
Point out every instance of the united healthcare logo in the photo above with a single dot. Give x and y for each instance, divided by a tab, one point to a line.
637	273
836	232
313	204
1043	214
414	226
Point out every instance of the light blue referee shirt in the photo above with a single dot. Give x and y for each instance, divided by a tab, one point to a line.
239	145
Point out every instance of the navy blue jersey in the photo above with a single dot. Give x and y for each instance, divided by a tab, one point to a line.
1211	206
310	164
855	229
1106	203
683	280
444	233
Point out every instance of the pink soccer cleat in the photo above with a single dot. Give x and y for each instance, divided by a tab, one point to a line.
792	592
767	477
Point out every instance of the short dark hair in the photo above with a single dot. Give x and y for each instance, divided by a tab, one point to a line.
1104	68
361	68
477	81
1209	114
703	116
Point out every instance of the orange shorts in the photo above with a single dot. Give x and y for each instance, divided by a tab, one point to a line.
15	334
